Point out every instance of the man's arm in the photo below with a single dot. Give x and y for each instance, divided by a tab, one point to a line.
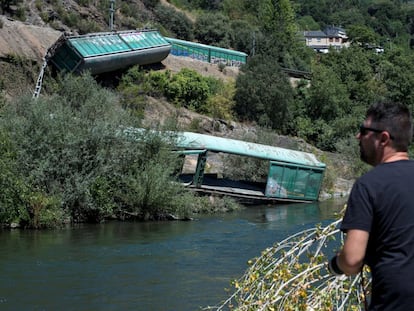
351	258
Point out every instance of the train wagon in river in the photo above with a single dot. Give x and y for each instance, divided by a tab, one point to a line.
291	176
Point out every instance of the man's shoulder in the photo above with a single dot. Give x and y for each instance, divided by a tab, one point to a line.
382	172
405	165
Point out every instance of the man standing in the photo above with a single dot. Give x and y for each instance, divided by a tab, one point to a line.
379	219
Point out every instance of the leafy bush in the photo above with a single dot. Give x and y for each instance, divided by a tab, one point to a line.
151	3
13	186
44	211
212	29
71	149
71	19
158	82
21	13
242	36
220	105
132	89
188	89
88	26
176	22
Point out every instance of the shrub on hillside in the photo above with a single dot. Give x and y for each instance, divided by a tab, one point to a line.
188	89
220	105
176	22
13	186
213	29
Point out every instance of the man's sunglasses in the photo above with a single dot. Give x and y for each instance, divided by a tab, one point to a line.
363	130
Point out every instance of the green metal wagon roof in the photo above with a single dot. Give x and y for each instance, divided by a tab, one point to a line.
110	43
195	141
233	146
206	47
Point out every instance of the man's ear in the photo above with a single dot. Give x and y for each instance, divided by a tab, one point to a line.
385	137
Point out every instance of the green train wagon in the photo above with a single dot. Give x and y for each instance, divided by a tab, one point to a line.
291	175
108	51
207	53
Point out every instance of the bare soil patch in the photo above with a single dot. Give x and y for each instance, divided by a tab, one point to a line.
24	40
176	63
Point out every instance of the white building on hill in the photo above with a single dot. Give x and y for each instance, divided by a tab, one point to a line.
331	37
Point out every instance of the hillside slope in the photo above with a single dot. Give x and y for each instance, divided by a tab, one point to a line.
25	40
31	42
28	41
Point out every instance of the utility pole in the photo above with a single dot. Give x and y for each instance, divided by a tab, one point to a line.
253	51
111	15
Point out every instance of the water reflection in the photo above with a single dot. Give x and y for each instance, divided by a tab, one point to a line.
142	266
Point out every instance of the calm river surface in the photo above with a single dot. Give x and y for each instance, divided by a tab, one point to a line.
161	266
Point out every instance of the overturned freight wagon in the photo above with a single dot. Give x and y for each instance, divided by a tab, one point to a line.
207	53
108	51
292	176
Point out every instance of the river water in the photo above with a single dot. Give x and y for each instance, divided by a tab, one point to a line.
159	266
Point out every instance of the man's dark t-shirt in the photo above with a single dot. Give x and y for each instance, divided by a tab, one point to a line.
382	203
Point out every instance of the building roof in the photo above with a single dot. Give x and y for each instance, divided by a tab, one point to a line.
330	31
314	34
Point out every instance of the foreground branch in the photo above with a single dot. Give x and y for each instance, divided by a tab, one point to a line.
293	275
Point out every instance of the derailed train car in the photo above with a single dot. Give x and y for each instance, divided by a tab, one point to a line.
108	51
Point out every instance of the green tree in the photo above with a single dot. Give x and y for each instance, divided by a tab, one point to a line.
263	93
133	88
397	76
278	24
326	107
349	16
151	3
362	35
176	22
278	18
212	29
328	97
242	36
308	23
241	9
356	68
383	15
209	5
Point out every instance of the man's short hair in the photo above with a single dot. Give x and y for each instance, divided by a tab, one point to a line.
396	119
